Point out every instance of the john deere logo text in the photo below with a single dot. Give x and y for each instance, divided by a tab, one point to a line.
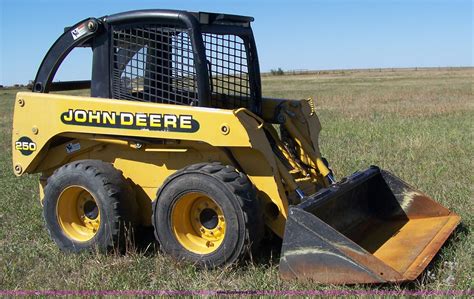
128	120
25	145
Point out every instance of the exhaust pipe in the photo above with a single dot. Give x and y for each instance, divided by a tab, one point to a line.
371	227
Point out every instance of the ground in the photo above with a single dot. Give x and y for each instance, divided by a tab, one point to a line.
415	123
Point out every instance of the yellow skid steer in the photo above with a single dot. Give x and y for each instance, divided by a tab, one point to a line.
176	135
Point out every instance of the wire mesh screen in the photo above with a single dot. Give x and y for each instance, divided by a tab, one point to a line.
154	64
228	70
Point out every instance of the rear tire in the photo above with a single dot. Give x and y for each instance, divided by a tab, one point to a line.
88	204
207	214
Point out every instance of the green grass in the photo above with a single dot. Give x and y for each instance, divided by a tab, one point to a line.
417	124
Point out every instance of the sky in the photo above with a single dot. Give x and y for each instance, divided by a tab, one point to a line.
292	35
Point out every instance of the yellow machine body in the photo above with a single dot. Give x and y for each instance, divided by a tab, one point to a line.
358	230
63	128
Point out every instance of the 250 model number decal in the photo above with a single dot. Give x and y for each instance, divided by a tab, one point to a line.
128	120
25	145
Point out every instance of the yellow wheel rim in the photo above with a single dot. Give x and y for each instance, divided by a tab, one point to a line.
198	223
78	213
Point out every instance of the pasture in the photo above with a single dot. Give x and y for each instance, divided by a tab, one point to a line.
417	124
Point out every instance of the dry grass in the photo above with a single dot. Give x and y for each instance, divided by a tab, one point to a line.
363	94
416	123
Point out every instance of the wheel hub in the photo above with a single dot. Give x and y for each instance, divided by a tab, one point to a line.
208	218
198	223
78	213
91	210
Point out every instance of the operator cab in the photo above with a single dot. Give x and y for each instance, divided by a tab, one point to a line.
164	56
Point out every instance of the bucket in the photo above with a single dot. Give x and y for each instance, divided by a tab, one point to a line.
371	227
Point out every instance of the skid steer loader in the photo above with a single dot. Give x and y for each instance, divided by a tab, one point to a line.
176	136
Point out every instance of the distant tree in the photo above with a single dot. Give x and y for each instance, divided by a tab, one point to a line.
277	72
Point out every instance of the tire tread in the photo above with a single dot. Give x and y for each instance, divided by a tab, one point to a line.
244	193
116	188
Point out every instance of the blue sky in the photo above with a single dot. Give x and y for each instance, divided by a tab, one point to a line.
290	34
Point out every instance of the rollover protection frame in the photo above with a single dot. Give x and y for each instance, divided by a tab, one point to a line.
204	33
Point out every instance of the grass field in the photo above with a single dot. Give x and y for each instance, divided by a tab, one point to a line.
418	124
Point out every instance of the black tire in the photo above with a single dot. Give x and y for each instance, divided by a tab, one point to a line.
234	195
114	214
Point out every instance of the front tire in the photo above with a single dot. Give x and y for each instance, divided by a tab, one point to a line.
207	214
88	204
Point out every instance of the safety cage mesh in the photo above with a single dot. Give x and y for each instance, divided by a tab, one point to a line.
227	63
154	64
